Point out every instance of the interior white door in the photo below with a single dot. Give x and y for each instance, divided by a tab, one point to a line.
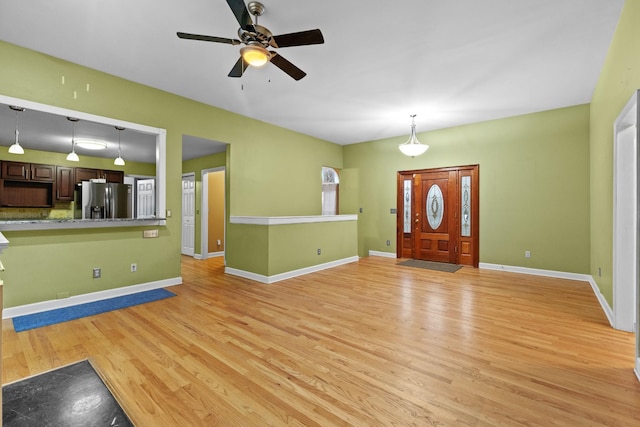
188	214
146	198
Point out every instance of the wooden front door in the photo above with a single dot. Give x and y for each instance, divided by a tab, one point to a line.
435	218
438	218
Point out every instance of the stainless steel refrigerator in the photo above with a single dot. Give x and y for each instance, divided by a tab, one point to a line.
104	200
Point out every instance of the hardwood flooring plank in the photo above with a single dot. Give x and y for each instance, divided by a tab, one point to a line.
364	344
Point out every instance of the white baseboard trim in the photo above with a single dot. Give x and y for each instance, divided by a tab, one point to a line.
535	271
289	274
637	369
209	255
383	254
21	310
608	311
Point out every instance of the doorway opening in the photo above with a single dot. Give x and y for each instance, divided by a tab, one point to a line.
330	191
213	225
438	215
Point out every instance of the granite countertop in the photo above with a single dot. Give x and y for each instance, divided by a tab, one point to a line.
46	224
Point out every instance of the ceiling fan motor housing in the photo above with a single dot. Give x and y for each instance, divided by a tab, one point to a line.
261	35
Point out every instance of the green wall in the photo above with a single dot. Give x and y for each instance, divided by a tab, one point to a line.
534	186
619	79
269	250
272	171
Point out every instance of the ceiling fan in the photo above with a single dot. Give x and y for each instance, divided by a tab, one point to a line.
257	39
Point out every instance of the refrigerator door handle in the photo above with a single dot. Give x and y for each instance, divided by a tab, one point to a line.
107	202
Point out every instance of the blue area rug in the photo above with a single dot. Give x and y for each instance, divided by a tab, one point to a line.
46	318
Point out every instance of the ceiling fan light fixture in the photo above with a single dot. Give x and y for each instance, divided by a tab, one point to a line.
255	55
413	147
16	148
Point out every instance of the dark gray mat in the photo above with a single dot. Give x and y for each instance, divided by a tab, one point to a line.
430	265
73	395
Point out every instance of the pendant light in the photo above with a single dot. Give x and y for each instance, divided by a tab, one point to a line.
413	147
72	156
119	161
16	148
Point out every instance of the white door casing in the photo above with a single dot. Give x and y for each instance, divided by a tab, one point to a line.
626	283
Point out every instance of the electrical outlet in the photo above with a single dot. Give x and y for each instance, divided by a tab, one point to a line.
134	267
146	234
319	251
599	272
388	242
97	273
527	254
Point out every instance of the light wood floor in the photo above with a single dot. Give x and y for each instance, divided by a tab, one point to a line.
365	344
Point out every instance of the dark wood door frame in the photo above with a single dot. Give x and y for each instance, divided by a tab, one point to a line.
465	249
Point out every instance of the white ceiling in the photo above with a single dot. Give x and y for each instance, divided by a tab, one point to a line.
450	62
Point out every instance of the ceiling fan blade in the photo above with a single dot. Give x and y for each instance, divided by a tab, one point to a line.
301	38
208	38
242	14
239	68
286	66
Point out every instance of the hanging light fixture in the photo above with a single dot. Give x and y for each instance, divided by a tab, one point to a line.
16	148
255	55
72	156
413	147
119	161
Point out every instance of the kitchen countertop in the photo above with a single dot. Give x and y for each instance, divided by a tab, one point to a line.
56	224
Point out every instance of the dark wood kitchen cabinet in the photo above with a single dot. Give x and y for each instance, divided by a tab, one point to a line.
65	183
21	171
27	185
86	174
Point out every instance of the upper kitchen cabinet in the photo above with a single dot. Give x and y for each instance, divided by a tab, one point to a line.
86	174
65	183
26	185
20	171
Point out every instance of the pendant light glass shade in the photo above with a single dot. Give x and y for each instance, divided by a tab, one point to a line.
72	156
413	147
16	148
119	161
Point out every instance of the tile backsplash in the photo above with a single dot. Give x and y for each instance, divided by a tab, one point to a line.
61	210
